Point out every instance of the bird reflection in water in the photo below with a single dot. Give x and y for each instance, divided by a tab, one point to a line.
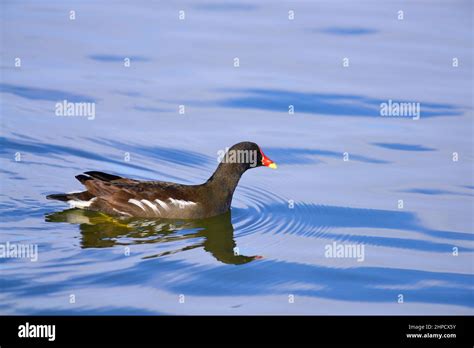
215	235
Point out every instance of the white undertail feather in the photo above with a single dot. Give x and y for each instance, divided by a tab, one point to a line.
81	204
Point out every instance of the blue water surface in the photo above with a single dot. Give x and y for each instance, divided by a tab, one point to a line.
398	188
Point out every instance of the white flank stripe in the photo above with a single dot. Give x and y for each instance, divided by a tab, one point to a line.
81	204
181	203
121	212
162	204
151	205
137	203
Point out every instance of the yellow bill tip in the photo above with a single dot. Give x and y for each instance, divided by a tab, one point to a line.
273	166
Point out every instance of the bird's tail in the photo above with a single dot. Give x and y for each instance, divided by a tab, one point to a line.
74	196
83	178
59	197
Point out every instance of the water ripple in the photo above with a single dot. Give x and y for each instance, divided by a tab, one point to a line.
268	213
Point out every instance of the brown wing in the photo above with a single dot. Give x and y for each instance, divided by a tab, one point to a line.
138	198
121	196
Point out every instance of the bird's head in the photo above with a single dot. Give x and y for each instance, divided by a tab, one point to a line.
247	153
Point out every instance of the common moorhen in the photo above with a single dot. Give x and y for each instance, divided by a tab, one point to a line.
118	196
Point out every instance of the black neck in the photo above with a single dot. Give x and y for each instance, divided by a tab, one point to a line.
223	182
